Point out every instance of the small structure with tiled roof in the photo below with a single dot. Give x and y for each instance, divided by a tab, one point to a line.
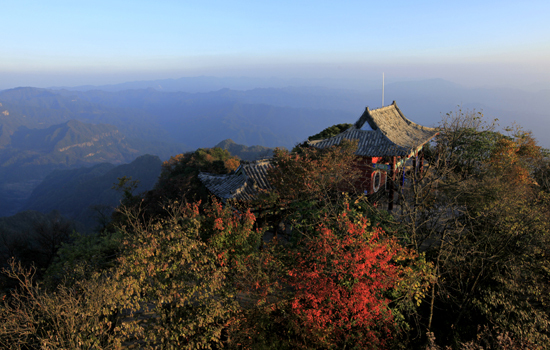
243	184
382	133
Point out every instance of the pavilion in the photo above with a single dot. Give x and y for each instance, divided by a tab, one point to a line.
385	140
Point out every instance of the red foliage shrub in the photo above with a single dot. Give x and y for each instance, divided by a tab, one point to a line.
340	280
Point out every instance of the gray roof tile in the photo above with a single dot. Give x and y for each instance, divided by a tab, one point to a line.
391	134
243	184
388	133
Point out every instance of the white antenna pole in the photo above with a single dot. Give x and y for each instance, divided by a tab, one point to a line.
382	89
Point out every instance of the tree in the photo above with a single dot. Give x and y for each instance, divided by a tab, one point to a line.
178	178
81	316
325	134
330	131
313	187
187	269
178	182
480	218
342	279
308	182
36	239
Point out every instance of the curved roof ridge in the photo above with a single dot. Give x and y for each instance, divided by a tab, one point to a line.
392	133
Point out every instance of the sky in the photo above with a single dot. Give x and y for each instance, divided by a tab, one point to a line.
474	43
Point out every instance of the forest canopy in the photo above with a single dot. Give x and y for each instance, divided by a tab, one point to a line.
461	261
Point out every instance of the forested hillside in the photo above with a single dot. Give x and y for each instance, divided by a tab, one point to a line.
68	144
86	195
34	153
40	108
460	262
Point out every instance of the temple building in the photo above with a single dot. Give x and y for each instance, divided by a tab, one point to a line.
385	140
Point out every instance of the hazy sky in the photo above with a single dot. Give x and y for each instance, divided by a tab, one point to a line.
77	42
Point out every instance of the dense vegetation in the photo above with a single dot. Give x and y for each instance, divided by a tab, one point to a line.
460	262
249	153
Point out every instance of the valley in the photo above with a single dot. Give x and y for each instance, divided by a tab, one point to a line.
64	133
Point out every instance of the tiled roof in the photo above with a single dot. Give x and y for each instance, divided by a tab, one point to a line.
243	184
387	133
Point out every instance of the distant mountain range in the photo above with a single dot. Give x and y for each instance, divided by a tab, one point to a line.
193	120
209	83
42	130
84	193
423	101
71	143
264	116
31	154
40	108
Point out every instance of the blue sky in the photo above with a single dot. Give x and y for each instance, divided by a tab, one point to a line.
71	42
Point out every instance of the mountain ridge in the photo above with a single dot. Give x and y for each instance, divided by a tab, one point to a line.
249	153
79	193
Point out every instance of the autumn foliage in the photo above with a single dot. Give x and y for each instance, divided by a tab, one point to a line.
314	173
341	279
178	179
516	157
321	268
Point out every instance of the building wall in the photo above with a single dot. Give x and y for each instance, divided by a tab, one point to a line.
366	180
